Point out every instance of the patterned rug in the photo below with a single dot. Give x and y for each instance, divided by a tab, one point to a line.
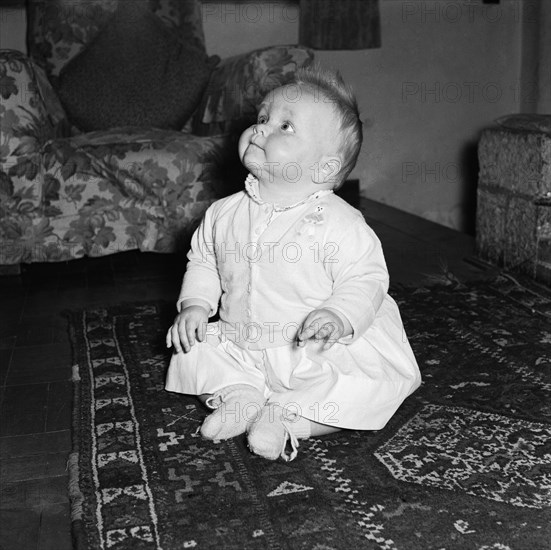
464	464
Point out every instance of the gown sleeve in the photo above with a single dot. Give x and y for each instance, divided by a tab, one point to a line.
360	278
201	280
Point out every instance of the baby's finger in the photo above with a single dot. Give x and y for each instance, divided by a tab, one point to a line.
201	329
190	332
325	331
309	326
169	338
314	332
332	336
184	343
306	333
175	337
330	342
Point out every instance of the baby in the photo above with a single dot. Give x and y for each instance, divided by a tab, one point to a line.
308	341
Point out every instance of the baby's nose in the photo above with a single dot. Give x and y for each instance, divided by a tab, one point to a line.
259	129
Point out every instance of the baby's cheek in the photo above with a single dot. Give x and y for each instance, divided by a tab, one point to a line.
244	141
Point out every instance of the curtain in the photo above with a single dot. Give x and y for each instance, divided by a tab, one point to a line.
340	24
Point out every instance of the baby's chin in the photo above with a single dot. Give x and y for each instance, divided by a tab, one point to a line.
252	157
253	167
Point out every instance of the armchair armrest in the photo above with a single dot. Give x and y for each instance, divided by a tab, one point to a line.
30	115
30	110
239	83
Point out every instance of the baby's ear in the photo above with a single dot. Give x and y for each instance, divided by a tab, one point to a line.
327	170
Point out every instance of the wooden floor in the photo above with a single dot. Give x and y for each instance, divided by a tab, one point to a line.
35	355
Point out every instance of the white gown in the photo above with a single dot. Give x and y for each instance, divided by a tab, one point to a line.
267	268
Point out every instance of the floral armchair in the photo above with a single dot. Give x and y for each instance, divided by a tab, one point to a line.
66	192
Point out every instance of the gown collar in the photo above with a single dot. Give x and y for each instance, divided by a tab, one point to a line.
252	188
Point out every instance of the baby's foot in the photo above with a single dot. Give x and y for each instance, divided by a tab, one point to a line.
268	435
236	407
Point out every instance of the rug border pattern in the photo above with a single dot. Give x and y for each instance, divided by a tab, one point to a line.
83	375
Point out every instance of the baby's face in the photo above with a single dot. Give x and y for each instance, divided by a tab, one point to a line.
295	131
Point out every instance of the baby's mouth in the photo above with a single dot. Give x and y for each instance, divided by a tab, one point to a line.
256	145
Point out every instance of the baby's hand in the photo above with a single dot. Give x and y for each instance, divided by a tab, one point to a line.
321	324
190	323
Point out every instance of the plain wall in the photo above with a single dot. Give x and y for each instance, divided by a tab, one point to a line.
446	69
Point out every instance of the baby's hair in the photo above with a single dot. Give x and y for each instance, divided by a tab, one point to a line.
331	86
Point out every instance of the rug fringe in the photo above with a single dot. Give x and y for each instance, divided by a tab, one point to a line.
76	497
75	377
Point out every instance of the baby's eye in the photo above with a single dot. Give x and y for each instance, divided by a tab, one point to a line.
287	127
262	119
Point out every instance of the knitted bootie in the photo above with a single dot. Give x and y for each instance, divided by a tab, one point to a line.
268	435
235	408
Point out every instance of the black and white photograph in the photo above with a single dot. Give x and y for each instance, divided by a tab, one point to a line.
275	275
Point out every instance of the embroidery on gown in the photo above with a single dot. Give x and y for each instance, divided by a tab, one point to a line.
307	226
251	186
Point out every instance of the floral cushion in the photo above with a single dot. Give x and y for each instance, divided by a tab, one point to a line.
136	72
60	29
239	84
